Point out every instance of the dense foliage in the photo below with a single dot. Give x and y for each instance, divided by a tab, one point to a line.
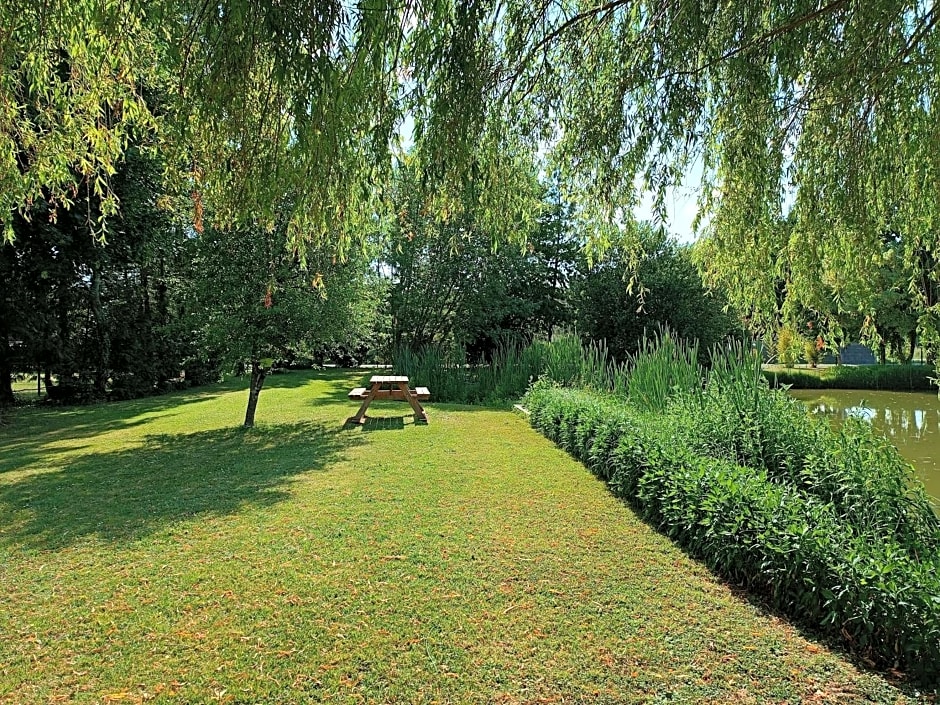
882	304
669	292
165	305
454	286
814	124
97	318
827	525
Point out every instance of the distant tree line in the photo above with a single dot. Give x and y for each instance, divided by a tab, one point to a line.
167	305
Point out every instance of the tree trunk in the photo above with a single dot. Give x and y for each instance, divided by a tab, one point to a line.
912	339
882	352
101	332
258	374
6	377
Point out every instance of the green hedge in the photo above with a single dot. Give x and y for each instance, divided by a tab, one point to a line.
804	525
900	378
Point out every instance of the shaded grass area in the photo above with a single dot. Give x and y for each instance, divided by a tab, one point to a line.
152	551
25	390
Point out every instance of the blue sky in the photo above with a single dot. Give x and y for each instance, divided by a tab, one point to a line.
681	205
681	208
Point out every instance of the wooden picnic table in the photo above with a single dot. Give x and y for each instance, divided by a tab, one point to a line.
393	387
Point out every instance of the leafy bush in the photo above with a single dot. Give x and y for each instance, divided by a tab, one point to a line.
812	350
73	389
129	386
200	371
829	526
788	346
739	419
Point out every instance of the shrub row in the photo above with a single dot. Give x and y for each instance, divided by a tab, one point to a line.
736	417
784	527
887	377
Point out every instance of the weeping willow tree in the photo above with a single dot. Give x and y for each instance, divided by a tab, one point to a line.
815	121
248	101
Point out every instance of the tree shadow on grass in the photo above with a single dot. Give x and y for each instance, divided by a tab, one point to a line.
33	431
380	423
126	495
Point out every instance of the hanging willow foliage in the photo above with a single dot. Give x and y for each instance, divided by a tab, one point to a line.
815	121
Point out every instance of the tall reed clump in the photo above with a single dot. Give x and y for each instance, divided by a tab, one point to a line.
440	369
563	360
829	526
663	367
569	363
446	373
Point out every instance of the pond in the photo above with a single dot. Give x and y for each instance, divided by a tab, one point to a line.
911	420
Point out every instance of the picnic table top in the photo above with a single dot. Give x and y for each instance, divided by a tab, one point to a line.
388	379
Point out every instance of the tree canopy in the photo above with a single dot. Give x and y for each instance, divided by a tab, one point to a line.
821	111
673	298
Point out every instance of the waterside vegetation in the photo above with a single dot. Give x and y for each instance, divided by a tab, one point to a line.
901	378
828	526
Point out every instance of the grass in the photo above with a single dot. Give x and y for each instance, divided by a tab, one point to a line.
151	551
25	389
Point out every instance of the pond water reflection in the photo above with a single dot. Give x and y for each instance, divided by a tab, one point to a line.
911	420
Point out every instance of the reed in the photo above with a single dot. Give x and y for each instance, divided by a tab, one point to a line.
664	366
445	371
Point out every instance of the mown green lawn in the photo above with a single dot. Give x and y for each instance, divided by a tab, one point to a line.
152	551
25	389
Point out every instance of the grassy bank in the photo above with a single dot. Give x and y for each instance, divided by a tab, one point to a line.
899	378
151	551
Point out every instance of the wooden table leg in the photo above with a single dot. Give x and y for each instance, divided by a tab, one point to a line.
420	413
360	416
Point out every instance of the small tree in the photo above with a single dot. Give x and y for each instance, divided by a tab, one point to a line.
259	303
813	350
788	346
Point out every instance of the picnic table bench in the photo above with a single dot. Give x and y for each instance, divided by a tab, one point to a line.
390	387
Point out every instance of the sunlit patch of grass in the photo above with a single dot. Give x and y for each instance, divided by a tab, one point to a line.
154	551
